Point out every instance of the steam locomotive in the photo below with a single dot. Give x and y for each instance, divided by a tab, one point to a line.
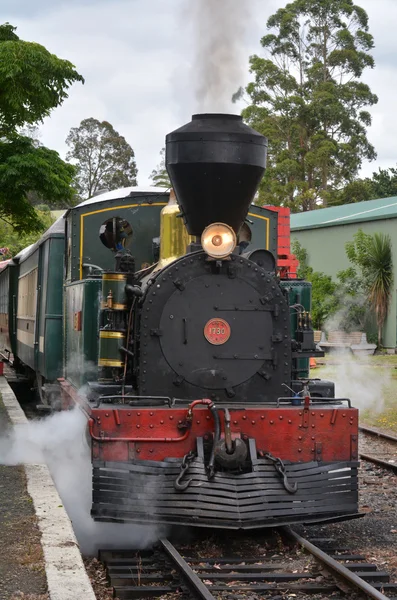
177	323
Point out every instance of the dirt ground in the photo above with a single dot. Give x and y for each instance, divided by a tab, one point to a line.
22	574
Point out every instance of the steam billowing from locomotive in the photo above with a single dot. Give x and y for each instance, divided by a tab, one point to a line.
219	61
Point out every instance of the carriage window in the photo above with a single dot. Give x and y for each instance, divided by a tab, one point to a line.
115	234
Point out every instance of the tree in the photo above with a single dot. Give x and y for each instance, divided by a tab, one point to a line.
159	175
15	242
324	300
383	184
307	98
33	82
103	157
24	168
372	254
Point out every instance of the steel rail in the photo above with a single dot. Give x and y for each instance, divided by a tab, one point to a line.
381	434
339	569
380	462
187	572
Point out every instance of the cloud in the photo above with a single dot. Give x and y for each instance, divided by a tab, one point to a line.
137	58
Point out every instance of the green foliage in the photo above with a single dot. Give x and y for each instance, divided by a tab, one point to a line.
33	82
15	242
324	300
24	167
335	305
383	184
103	157
372	254
159	175
307	98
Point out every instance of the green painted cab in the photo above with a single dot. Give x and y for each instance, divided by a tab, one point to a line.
299	292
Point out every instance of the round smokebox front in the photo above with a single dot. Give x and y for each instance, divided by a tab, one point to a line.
216	331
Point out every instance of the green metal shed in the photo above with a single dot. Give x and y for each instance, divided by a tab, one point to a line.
324	233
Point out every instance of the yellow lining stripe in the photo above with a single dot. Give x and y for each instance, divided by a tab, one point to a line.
95	212
267	226
110	335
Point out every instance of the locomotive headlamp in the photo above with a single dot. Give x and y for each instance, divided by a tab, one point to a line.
218	240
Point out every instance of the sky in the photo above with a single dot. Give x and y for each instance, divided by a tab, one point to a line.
139	61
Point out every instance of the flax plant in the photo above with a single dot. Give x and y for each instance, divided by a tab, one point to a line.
380	277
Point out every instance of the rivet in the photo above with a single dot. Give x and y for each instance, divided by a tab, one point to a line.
313	438
299	449
151	425
271	422
253	422
322	414
138	414
128	414
235	422
244	417
312	450
262	417
313	426
313	414
137	426
107	414
138	450
198	422
208	417
162	422
289	421
151	450
151	414
343	415
300	414
171	417
281	417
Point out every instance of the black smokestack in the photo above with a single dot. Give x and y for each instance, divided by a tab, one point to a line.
215	164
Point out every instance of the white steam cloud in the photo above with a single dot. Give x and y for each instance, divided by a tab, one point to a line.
357	379
220	62
60	441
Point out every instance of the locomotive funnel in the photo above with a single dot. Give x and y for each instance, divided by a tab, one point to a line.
215	164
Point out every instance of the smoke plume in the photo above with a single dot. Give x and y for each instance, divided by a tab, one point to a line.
219	66
60	441
357	378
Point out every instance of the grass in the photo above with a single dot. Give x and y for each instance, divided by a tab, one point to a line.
371	383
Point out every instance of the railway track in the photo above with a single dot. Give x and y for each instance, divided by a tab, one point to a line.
323	570
378	448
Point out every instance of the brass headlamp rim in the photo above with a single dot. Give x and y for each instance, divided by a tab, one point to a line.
230	230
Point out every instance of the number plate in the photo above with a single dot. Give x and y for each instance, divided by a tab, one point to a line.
217	331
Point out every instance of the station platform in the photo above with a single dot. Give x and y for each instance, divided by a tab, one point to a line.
39	555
